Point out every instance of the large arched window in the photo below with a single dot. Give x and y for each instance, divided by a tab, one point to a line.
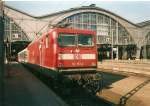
107	29
13	32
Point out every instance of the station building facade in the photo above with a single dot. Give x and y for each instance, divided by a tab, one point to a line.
117	38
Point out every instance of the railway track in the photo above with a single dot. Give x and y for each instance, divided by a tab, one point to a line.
72	93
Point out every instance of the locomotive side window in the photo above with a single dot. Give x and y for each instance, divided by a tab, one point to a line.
67	40
85	40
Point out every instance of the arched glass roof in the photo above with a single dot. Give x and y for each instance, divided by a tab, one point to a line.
13	32
107	29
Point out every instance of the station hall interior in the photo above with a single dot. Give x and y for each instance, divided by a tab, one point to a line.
122	78
117	38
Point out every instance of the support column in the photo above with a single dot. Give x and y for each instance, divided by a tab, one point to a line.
117	41
138	51
124	55
145	52
1	52
112	40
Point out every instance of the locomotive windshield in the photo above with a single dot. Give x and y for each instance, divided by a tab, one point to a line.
67	40
75	39
85	40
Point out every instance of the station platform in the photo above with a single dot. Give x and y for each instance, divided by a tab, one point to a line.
129	91
134	89
22	88
134	67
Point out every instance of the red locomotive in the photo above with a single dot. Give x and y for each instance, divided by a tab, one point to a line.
63	50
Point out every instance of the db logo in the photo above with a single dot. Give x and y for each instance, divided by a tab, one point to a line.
77	56
77	50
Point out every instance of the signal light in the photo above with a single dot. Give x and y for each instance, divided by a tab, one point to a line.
93	64
60	65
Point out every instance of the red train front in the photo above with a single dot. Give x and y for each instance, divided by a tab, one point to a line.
64	49
76	50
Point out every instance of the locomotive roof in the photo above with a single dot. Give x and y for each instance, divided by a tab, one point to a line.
62	29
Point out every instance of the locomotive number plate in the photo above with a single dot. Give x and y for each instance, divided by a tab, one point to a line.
77	56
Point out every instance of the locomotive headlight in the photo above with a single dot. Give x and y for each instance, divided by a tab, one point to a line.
59	56
60	65
93	64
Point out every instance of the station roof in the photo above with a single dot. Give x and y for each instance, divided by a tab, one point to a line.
79	8
20	11
144	23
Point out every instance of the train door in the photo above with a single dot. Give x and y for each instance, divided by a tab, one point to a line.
41	52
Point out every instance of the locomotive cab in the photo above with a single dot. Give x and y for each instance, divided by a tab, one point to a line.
77	52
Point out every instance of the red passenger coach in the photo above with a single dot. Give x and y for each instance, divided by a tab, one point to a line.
64	50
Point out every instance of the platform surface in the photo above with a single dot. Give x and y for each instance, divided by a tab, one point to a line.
22	88
139	67
133	90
